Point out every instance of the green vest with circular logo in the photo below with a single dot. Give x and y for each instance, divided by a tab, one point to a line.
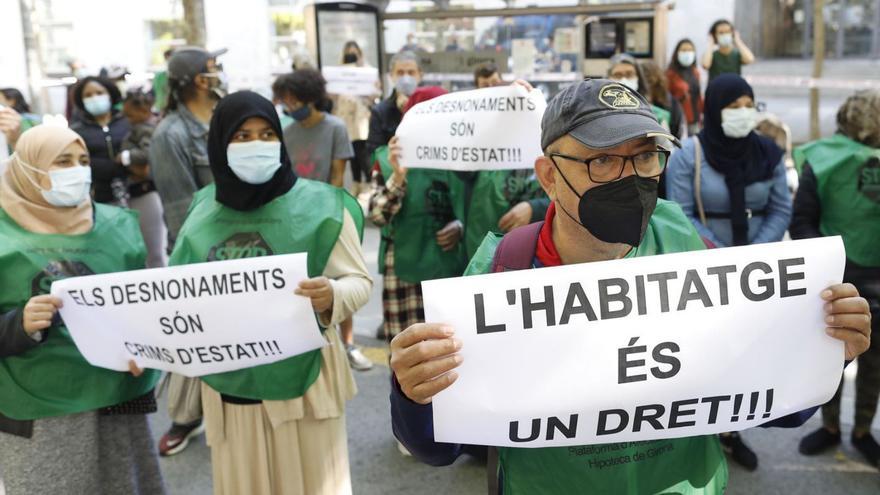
308	218
494	193
433	199
848	184
53	378
692	466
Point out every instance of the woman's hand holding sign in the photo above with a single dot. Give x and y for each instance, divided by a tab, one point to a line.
423	357
134	369
848	318
38	313
449	235
519	215
319	290
395	150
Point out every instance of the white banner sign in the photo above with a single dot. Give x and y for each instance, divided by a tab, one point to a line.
639	349
483	129
4	153
195	319
352	81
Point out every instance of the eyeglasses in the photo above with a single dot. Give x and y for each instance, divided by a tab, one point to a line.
608	168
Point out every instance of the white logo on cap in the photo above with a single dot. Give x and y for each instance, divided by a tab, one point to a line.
616	96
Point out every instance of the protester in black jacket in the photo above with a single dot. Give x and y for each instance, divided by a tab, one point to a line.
103	128
406	74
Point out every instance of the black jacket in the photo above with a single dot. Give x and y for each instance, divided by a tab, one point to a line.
384	119
14	341
805	219
104	144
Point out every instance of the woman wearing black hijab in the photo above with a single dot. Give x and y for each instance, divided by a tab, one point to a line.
742	187
277	428
741	196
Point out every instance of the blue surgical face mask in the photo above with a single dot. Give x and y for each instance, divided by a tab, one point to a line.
97	104
254	162
725	39
406	84
300	114
70	185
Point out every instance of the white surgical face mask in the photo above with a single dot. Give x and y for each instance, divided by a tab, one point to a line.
630	82
725	39
738	122
222	90
70	185
686	58
97	105
254	162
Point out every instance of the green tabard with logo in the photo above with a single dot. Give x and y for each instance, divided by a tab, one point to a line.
494	193
433	199
308	218
686	466
53	378
848	184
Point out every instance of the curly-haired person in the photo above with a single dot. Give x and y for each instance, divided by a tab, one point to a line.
317	142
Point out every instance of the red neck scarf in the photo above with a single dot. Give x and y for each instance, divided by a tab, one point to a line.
545	251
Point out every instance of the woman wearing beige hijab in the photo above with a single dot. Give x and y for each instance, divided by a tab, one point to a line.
65	426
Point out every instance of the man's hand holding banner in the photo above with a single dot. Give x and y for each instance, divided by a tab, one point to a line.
646	348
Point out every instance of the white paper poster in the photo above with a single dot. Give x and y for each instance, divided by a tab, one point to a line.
194	319
483	129
639	349
335	28
4	153
352	81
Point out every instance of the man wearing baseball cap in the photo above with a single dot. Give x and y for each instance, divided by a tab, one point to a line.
178	151
179	164
603	155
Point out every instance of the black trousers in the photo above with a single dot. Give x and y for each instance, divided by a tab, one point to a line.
360	164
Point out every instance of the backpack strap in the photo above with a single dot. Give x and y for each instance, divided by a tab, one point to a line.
698	193
516	251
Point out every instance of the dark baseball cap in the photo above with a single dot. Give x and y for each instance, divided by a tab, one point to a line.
189	61
600	113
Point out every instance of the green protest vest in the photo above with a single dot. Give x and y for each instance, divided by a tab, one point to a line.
495	192
848	183
308	218
53	378
693	465
433	199
663	116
